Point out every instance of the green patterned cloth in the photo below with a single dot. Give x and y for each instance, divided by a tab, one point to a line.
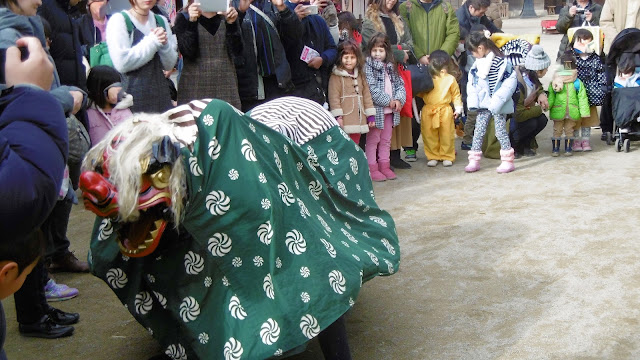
277	239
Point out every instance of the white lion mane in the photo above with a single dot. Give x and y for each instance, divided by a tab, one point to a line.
134	138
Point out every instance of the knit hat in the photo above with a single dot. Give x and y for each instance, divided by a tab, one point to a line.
537	59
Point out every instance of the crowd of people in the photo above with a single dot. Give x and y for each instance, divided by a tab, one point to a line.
107	67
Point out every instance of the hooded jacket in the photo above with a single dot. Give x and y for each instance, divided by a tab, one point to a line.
498	101
65	42
12	28
568	97
33	154
566	21
373	24
100	123
613	24
350	97
436	30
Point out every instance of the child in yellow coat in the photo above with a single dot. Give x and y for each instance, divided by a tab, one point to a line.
437	120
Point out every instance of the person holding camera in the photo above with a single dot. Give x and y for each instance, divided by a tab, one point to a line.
579	13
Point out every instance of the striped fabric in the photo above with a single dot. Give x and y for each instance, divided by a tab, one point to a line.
516	51
494	71
299	119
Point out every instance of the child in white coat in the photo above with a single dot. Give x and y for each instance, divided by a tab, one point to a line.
492	82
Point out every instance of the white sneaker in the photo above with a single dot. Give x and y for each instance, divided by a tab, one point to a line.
447	163
432	163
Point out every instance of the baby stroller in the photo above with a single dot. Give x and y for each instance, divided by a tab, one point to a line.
624	101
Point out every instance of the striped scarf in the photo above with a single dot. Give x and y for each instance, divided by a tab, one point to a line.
494	72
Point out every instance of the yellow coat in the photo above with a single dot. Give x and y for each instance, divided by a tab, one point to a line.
437	125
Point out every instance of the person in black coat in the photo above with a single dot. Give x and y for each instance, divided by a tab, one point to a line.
472	12
65	42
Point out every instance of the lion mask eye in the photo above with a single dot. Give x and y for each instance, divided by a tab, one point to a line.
160	178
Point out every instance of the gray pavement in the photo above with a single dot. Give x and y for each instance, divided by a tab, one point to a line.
542	263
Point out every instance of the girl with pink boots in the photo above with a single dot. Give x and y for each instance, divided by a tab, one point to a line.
492	82
388	94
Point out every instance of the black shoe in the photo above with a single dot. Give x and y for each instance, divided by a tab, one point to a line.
464	146
399	164
517	155
529	152
62	318
46	329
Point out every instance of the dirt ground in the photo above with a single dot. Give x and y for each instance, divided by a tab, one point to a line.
542	263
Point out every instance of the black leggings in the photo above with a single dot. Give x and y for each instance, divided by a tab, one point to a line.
523	132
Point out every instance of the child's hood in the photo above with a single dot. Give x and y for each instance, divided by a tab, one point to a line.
125	103
342	72
563	77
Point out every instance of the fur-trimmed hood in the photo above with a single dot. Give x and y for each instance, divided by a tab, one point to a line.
563	77
344	73
374	14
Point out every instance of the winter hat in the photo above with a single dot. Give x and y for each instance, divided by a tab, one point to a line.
537	59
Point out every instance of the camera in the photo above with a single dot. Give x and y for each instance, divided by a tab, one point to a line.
580	11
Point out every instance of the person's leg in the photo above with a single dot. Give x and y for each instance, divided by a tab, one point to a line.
371	151
415	133
447	135
58	256
606	112
430	137
333	341
385	147
482	121
568	142
586	139
500	123
469	128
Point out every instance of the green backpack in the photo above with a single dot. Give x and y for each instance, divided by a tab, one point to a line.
99	53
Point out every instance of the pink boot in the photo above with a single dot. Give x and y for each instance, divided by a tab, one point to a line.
474	161
586	146
578	145
376	175
386	171
507	161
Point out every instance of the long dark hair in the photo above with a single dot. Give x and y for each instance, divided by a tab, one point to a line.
532	75
349	46
381	40
477	38
99	78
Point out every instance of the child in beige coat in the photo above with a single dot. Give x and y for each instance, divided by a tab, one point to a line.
349	97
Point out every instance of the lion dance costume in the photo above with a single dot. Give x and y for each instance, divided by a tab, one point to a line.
227	239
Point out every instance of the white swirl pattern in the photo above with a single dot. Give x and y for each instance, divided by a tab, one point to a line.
354	165
117	278
315	189
189	309
236	309
218	203
309	326
176	352
285	194
270	332
193	263
233	350
389	247
219	244
337	282
194	166
247	151
265	233
267	286
295	242
105	230
143	303
278	162
333	157
214	148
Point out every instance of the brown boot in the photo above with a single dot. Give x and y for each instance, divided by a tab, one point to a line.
68	263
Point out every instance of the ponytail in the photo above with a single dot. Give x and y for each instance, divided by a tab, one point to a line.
477	38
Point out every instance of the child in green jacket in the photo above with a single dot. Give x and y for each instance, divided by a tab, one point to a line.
568	103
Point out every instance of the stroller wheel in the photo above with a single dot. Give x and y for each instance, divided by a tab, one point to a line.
627	145
618	145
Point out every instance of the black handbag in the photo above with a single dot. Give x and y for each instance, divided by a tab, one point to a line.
421	80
